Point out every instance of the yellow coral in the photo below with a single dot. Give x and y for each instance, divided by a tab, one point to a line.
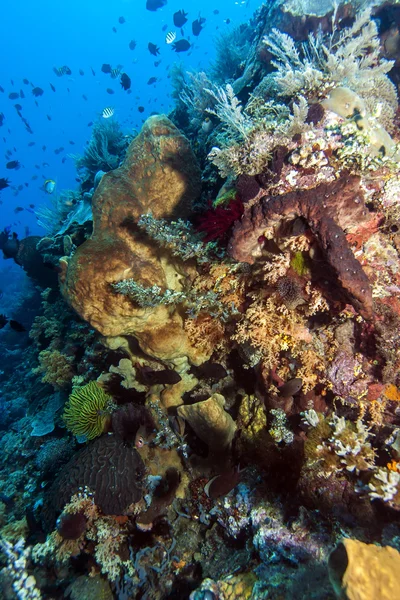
88	411
56	368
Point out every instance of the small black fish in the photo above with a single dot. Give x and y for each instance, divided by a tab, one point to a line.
20	187
37	91
26	81
31	144
141	109
4	183
13	95
18	209
1	89
71	142
3	321
31	206
13	164
34	177
81	72
16	326
157	62
106	68
227	21
152	80
18	107
90	123
21	94
132	45
93	72
164	27
48	117
84	97
64	159
197	26
121	20
2	117
125	81
181	46
151	377
52	87
153	49
114	29
154	5
109	91
216	12
180	18
44	148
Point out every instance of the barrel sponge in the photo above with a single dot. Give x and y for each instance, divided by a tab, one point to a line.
361	571
160	175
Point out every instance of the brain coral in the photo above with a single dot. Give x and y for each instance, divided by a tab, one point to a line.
108	468
159	175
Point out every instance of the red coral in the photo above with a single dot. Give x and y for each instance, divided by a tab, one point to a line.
216	223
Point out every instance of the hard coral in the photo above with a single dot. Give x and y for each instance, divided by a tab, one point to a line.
328	209
88	411
109	468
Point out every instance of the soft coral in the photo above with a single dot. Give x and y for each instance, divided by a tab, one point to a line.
217	222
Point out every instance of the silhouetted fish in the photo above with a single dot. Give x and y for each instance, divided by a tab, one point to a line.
154	5
153	49
180	18
16	326
181	46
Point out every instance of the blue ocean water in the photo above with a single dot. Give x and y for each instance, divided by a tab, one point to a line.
37	37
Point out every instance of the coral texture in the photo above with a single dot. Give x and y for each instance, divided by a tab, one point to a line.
328	209
87	411
364	571
160	174
107	467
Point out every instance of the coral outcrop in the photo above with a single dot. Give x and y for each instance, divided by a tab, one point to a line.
329	209
112	471
159	175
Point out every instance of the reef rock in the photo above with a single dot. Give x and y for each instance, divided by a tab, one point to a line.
159	175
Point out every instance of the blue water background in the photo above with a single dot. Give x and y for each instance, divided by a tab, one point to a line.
37	36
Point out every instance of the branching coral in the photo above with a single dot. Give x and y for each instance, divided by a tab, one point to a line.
105	149
232	49
88	411
349	57
250	138
57	368
180	238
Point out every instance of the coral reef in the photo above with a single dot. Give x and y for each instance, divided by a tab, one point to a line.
207	405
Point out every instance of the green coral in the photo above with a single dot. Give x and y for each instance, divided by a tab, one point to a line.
88	411
299	264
